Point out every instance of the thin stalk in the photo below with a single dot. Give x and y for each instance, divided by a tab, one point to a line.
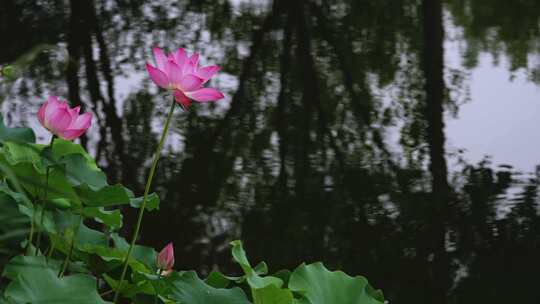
30	237
155	288
106	293
10	176
51	250
145	196
38	240
68	256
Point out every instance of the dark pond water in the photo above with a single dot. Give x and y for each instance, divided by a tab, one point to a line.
352	131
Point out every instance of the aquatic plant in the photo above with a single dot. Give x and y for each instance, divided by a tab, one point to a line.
79	256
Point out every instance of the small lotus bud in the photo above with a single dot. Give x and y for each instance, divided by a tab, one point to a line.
165	259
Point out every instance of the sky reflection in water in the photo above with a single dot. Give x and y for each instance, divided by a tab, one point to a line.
320	149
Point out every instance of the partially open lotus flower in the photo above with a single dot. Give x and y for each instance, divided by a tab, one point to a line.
165	259
61	120
181	74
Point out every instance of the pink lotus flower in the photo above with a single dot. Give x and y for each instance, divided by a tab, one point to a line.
165	259
181	74
59	119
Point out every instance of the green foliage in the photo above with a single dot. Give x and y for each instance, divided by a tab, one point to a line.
35	280
61	195
7	71
16	134
11	72
319	286
187	288
15	225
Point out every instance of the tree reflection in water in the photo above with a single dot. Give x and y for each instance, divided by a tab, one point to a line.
299	163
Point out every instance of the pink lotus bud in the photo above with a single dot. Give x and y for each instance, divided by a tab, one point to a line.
181	74
62	121
165	259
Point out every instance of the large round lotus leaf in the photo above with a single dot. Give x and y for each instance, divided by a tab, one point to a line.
16	134
318	285
187	288
35	281
272	294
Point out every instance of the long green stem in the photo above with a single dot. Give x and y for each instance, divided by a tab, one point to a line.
68	257
38	239
40	214
143	205
156	295
30	237
70	253
10	176
51	250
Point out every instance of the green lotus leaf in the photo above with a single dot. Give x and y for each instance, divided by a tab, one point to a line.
253	278
272	294
130	290
112	218
26	264
36	182
143	254
62	148
16	134
80	171
187	288
107	196
35	281
152	202
22	152
318	285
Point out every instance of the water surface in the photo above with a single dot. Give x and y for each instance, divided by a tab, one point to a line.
351	131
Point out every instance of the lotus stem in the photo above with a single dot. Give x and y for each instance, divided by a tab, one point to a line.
30	237
70	253
38	240
51	251
145	196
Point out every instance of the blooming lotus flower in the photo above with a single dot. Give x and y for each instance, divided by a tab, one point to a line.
62	121
165	259
181	74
